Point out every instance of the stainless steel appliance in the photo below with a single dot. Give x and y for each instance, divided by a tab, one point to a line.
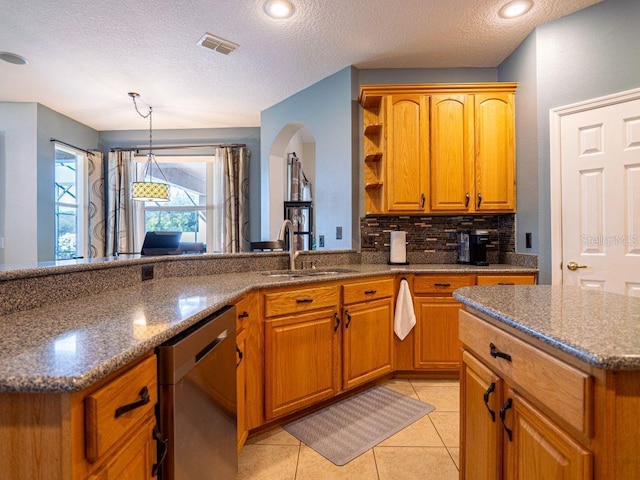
463	247
478	241
197	400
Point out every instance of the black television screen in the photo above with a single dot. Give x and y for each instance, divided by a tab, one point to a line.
161	243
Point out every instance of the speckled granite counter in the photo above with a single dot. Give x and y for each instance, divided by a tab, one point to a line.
68	345
602	329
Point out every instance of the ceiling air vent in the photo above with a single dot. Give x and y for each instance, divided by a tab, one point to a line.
217	44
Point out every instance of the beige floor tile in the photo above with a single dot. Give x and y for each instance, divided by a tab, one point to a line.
277	436
421	433
455	453
448	426
426	382
268	462
444	398
313	466
403	388
415	463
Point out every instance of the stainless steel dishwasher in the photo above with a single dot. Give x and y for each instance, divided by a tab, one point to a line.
197	400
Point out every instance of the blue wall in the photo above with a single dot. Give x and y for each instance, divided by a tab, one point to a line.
327	109
592	53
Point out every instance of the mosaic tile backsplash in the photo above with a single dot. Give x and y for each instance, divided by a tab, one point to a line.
437	234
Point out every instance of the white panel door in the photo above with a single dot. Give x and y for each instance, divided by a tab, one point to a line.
600	165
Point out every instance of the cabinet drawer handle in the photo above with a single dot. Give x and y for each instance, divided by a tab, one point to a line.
163	447
423	199
346	314
144	399
479	200
243	315
304	300
495	353
467	197
489	391
370	292
240	355
443	285
337	318
503	413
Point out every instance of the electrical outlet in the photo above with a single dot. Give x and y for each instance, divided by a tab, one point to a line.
338	233
147	272
527	240
321	241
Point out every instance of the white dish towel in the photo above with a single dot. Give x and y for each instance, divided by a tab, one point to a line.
404	318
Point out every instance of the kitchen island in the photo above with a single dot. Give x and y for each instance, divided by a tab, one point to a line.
550	383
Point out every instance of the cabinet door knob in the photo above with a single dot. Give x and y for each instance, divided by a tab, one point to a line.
423	199
488	392
163	447
479	200
346	314
467	197
503	413
337	318
240	356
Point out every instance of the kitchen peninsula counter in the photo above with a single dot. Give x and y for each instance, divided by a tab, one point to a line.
69	344
601	329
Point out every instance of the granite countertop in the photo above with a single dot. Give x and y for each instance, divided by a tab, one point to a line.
68	346
601	329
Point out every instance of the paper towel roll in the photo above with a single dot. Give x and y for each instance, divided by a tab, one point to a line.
398	247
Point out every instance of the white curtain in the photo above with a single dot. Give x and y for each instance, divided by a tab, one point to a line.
96	240
231	192
121	218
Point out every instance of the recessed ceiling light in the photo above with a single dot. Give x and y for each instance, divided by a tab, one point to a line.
13	58
516	8
278	8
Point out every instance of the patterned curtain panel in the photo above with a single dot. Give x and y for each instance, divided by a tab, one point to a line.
120	221
96	239
236	198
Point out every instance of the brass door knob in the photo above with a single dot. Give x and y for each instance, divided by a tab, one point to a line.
573	266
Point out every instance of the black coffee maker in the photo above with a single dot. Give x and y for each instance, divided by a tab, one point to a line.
478	241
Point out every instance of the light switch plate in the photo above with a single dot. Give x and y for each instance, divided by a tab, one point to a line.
320	241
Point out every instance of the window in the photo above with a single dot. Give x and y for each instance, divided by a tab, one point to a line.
69	219
193	208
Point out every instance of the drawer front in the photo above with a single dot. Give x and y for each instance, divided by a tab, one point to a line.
506	279
566	391
119	406
371	290
300	300
445	284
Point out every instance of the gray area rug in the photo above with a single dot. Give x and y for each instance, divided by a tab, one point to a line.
347	429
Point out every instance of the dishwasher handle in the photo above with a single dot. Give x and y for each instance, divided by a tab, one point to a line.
217	341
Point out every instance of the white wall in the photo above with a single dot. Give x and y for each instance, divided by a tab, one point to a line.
18	183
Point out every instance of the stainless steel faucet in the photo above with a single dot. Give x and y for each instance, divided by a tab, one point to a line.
293	254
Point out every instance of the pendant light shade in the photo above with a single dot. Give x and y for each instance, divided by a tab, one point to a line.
147	190
150	191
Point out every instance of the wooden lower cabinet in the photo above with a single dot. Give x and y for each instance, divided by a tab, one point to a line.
83	435
302	355
504	433
135	460
538	448
367	341
481	435
436	333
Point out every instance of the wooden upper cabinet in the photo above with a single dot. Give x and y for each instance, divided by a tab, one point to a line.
444	148
494	152
407	152
451	161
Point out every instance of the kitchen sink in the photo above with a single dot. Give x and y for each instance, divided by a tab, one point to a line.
306	273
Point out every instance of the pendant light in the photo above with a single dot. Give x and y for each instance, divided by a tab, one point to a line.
147	190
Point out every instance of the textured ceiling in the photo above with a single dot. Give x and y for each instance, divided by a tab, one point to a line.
85	55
